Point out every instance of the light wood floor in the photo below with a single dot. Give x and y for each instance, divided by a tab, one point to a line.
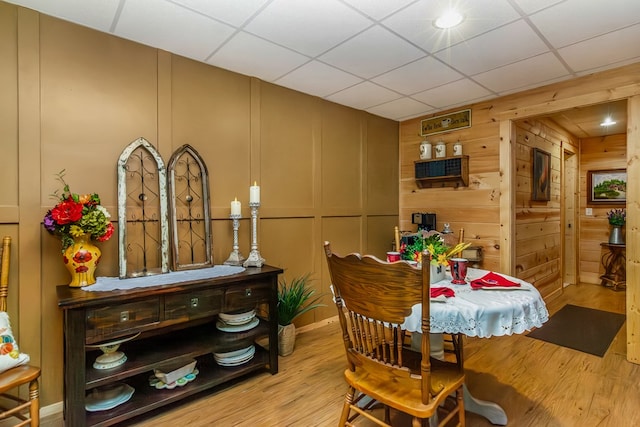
537	383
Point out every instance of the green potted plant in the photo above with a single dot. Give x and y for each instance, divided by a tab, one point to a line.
295	298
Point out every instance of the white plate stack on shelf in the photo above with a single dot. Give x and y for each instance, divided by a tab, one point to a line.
236	357
108	397
237	322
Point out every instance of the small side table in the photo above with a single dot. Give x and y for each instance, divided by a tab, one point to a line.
615	266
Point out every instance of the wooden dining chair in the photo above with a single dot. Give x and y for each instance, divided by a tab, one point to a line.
373	298
27	411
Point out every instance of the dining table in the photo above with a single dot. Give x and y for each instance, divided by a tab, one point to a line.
504	306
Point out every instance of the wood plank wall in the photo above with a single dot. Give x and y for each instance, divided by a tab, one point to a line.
538	237
485	209
603	153
475	208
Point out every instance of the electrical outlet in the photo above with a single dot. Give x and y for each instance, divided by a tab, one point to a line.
588	211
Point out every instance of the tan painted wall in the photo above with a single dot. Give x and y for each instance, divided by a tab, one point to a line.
74	98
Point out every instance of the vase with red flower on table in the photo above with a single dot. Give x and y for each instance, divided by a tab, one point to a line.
79	219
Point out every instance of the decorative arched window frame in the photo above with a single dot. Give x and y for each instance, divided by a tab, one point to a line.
190	216
142	207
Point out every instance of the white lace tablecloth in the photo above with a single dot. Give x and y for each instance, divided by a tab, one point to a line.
173	277
483	313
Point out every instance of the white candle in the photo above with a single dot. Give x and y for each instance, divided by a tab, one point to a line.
236	207
254	193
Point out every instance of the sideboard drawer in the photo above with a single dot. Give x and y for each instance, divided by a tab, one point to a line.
238	298
109	321
193	305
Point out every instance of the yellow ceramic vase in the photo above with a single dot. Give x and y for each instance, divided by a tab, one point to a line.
81	259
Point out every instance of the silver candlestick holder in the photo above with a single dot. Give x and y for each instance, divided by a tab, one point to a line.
254	260
235	258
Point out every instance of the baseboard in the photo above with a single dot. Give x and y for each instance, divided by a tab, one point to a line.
316	325
51	410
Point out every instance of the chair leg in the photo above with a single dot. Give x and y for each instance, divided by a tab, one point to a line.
34	398
346	408
461	415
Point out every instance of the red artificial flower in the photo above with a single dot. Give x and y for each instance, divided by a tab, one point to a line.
67	212
82	256
107	234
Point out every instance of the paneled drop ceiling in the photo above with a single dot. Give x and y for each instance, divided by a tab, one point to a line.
385	56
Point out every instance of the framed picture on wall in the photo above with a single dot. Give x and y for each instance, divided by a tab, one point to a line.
541	180
607	187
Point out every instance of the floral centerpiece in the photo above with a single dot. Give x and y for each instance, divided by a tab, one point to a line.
76	215
617	217
434	243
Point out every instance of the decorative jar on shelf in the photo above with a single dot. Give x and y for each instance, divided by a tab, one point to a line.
441	149
425	150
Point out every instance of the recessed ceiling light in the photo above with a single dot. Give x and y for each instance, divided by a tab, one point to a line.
449	19
608	122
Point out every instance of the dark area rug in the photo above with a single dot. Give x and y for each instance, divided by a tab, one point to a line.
580	328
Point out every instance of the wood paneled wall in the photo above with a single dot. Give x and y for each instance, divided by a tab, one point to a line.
608	152
487	208
74	98
538	240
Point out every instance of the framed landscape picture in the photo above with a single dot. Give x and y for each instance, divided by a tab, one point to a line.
541	183
607	187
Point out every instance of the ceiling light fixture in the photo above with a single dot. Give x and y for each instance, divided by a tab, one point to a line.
608	122
449	19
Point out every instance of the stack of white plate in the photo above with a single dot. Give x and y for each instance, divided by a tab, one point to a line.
237	322
108	397
236	357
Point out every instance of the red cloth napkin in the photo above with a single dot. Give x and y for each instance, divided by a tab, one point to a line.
493	280
447	292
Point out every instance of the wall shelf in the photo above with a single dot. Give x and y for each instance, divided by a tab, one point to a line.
442	172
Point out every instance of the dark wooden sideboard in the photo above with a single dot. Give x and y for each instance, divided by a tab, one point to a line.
176	324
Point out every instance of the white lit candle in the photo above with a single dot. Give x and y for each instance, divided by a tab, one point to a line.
254	193
236	207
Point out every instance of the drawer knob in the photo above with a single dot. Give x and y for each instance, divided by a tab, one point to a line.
247	292
194	302
124	316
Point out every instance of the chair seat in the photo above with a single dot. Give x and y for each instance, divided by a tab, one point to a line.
406	397
17	376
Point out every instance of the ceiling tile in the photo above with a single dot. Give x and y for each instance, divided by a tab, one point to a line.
97	14
403	107
310	28
494	49
531	6
415	23
576	20
234	13
378	9
417	76
318	79
607	49
170	27
253	56
461	91
372	52
364	95
531	71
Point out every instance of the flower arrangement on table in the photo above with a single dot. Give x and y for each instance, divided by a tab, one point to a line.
77	214
617	217
434	243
